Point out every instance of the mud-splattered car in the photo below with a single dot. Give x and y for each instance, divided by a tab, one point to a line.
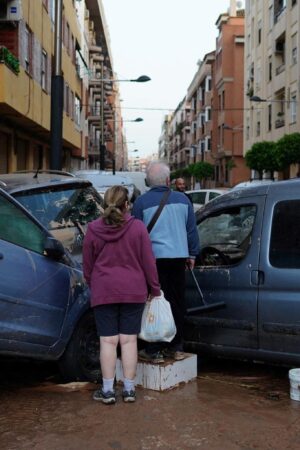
249	274
44	300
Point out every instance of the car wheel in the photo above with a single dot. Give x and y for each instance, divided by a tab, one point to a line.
80	361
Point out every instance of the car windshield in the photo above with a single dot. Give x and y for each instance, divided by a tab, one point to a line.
228	231
65	212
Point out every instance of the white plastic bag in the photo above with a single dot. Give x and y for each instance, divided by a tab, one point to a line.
157	321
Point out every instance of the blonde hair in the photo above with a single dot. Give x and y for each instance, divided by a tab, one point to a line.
115	199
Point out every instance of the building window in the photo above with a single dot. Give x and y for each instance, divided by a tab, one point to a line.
259	32
28	50
67	99
294	49
269	117
67	38
207	114
77	110
270	68
208	84
258	125
293	108
207	143
44	70
200	95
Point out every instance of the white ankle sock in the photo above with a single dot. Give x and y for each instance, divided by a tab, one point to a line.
108	384
129	385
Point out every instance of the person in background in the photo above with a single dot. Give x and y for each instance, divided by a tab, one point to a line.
180	185
119	266
175	244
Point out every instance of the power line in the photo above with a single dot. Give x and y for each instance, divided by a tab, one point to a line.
141	108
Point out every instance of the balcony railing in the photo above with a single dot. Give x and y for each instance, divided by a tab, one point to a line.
279	123
278	13
280	69
9	59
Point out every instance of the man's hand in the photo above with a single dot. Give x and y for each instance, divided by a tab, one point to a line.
190	263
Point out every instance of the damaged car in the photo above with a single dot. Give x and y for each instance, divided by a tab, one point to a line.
45	312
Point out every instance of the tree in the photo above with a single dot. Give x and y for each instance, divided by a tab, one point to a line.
288	148
263	157
201	170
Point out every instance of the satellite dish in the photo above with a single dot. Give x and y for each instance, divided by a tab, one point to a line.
239	4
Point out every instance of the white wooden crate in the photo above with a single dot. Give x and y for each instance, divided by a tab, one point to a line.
160	377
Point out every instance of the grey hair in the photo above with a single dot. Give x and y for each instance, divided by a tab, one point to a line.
157	174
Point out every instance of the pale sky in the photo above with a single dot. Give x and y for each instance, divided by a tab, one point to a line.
163	39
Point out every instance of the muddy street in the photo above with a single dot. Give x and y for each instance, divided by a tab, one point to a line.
231	405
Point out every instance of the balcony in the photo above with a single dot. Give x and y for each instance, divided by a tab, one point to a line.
279	123
9	59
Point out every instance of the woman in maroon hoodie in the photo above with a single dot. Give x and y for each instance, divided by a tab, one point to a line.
120	269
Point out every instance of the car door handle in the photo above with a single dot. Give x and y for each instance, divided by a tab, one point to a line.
257	277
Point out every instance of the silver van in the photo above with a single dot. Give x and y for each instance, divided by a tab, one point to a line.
248	271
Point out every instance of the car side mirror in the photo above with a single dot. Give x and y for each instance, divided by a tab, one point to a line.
54	248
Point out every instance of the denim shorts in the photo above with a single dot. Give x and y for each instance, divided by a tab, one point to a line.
118	318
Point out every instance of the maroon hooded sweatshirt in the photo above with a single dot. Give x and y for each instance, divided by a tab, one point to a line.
118	262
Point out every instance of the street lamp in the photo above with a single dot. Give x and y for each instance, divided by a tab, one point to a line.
140	79
138	119
255	98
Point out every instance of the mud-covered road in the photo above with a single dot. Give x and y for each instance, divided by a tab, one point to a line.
231	405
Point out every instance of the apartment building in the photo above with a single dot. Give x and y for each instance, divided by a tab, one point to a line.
271	71
199	95
163	142
178	139
26	42
26	65
228	99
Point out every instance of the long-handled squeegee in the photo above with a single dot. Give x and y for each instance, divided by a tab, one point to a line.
205	306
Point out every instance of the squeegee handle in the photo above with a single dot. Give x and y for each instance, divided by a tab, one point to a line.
197	285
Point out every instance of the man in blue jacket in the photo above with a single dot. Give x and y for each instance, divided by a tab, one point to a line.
175	243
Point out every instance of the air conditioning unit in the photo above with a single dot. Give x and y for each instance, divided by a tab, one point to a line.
10	10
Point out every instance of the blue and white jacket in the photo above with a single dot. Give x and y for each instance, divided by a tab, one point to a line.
175	234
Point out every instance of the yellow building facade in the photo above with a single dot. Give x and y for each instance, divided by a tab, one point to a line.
26	58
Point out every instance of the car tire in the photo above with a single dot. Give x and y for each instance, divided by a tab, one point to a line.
80	361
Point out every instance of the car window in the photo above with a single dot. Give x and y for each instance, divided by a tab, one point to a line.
285	237
213	195
65	212
17	228
225	236
198	197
